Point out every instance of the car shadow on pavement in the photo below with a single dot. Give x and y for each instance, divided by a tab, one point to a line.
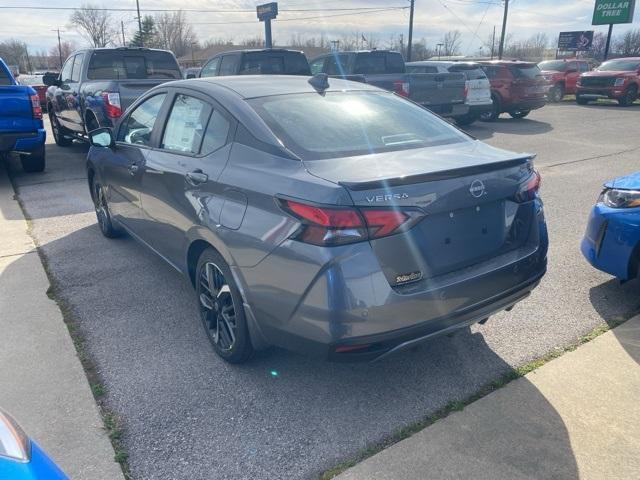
188	414
511	126
600	297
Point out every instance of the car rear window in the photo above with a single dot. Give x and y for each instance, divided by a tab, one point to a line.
555	65
118	65
525	70
374	63
340	124
273	64
472	72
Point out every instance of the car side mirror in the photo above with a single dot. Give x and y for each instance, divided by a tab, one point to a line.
102	137
50	79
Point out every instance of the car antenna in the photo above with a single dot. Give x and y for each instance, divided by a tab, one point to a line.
320	82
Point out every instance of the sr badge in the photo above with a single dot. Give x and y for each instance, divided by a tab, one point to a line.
408	277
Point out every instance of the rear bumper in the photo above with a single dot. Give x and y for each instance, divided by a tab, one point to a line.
330	302
480	109
22	141
449	109
611	238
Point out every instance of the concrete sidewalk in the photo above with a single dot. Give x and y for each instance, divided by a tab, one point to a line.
42	383
578	416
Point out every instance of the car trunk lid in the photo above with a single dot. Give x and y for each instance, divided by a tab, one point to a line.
468	194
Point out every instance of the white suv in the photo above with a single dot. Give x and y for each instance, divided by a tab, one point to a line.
477	90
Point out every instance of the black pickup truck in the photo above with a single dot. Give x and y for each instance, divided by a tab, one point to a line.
442	93
95	86
268	61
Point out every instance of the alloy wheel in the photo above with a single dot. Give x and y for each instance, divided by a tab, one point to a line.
100	205
217	308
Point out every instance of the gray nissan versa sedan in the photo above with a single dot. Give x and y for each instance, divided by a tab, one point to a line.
320	215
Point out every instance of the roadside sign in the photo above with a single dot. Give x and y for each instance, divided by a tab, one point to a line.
575	41
267	11
608	12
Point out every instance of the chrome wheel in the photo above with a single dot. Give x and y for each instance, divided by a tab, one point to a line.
100	205
217	308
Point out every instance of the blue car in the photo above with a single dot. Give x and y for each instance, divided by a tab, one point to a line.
20	457
612	240
21	127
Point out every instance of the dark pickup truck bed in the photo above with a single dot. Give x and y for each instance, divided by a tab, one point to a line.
442	93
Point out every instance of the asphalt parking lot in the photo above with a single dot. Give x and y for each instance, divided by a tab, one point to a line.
189	415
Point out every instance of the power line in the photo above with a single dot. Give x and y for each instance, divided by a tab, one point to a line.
193	10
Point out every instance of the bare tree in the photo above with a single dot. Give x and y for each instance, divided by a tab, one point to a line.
628	44
598	45
66	49
95	25
174	33
451	43
14	52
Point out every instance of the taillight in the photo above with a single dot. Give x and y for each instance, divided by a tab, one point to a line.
36	108
328	226
401	88
529	189
112	104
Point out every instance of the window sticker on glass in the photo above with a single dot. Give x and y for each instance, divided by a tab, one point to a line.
186	124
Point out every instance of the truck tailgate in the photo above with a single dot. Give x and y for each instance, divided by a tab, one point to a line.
436	88
15	109
130	90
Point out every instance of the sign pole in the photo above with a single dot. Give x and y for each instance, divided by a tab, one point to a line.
267	33
606	48
266	13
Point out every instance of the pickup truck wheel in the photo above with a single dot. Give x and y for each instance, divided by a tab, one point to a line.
35	162
493	115
580	100
629	96
519	113
107	226
556	93
58	131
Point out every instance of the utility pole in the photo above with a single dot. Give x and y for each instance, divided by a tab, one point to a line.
59	46
410	30
504	29
139	23
124	43
402	43
493	42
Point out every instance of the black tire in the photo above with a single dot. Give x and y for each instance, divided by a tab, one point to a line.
35	162
493	115
59	132
580	100
220	303
629	96
519	113
465	120
556	93
108	226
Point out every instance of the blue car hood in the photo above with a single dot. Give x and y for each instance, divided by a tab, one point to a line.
627	182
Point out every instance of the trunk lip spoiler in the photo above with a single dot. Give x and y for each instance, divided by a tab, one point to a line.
436	176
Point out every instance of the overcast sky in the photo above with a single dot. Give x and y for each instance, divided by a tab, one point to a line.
474	18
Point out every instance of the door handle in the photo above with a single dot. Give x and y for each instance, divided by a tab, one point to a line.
196	177
133	169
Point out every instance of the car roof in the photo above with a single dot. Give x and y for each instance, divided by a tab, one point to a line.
444	63
505	62
252	86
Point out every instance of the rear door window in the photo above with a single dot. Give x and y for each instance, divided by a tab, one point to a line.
65	74
4	77
216	133
77	67
378	63
471	72
129	65
186	125
422	69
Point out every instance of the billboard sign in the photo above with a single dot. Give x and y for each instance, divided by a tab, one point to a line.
575	41
608	12
268	11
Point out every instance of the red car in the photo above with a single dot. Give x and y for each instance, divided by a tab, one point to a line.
35	82
617	79
562	76
516	88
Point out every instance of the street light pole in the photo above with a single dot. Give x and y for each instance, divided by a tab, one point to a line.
410	30
504	29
